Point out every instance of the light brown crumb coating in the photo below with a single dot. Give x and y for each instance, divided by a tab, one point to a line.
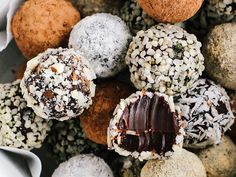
95	120
42	24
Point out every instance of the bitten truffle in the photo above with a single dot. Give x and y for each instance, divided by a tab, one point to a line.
20	127
146	125
219	53
165	58
220	160
169	10
67	139
86	165
95	120
206	112
42	24
58	84
182	164
232	131
103	39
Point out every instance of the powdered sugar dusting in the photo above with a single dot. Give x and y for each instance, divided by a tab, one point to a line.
103	40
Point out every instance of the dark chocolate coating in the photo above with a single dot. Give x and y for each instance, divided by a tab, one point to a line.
155	126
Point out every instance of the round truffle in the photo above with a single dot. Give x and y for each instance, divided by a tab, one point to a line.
58	84
220	11
219	51
86	165
103	40
90	7
67	139
20	127
182	164
135	17
42	24
95	120
20	71
165	58
169	10
146	125
206	112
220	160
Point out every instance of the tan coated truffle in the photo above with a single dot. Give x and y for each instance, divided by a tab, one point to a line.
220	54
42	24
20	71
220	160
95	120
169	10
182	164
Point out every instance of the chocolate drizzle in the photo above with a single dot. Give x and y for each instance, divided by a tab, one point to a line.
148	125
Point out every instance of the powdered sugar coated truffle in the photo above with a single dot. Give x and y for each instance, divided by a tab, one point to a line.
58	84
146	125
86	165
103	40
20	127
206	112
165	58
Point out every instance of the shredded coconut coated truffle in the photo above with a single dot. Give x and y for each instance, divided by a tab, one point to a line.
19	125
103	40
146	125
165	58
206	112
86	165
58	84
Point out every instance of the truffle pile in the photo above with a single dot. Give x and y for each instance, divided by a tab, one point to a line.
20	127
165	58
58	84
206	112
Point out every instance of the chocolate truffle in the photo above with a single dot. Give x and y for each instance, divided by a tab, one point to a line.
90	7
95	120
20	127
67	139
182	164
42	24
103	40
220	160
146	125
86	165
20	71
165	58
219	53
58	84
206	112
169	10
135	17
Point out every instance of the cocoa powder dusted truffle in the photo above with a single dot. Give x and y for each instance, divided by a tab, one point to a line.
165	58
95	120
206	112
42	24
146	125
103	39
169	10
135	17
20	127
58	84
86	165
67	139
219	53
